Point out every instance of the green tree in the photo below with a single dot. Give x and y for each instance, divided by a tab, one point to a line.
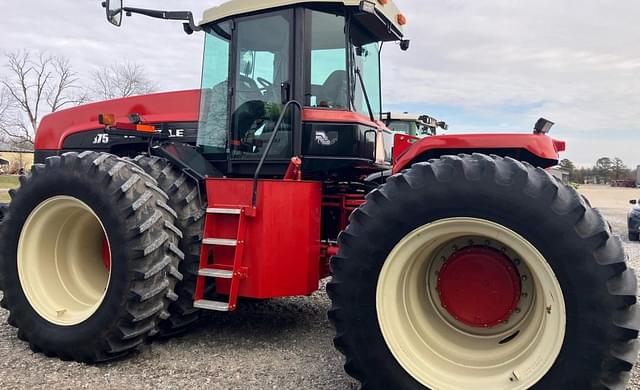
604	168
567	165
619	170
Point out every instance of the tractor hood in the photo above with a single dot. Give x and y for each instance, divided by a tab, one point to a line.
181	106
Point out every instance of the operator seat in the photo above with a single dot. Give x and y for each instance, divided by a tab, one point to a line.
245	116
334	90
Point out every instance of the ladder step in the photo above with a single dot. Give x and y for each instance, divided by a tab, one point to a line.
220	241
211	305
215	210
216	273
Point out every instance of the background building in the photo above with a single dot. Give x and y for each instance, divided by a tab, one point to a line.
13	159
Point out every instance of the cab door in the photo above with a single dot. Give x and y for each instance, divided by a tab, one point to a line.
262	77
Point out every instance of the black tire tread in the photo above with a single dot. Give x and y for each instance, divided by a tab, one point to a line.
148	285
184	198
532	184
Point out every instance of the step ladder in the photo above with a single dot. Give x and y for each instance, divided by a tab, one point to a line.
236	272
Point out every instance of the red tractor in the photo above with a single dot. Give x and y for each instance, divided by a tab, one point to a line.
457	261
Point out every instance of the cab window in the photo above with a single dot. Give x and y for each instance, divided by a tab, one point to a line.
328	73
214	106
365	59
404	127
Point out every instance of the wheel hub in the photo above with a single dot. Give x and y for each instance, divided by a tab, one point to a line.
479	286
439	350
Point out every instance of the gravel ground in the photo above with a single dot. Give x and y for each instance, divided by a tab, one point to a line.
282	344
613	203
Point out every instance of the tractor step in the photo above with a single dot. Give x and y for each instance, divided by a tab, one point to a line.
227	211
216	273
211	305
235	272
220	241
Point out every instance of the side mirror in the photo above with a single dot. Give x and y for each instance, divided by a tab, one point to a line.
633	201
114	11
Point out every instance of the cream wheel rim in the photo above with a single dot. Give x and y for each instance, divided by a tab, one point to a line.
442	354
60	259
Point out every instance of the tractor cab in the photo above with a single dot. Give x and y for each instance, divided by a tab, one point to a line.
326	56
413	124
322	56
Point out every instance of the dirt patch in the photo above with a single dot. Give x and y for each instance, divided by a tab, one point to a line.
609	197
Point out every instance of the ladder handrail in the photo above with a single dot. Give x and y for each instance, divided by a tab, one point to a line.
265	153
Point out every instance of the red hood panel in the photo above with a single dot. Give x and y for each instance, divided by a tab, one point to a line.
181	106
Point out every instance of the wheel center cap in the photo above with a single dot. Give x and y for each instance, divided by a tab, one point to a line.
479	286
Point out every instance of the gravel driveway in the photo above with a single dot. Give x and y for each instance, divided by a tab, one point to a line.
283	344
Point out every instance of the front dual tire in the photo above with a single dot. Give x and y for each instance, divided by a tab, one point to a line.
539	296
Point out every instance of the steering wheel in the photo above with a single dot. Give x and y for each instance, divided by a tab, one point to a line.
247	82
264	82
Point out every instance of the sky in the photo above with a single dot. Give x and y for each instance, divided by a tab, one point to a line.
481	66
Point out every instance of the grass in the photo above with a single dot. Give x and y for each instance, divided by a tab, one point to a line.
7	182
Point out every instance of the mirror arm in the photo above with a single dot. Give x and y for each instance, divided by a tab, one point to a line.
186	16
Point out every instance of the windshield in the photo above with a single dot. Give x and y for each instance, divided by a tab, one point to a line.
365	58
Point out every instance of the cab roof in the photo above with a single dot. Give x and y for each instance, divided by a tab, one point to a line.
403	116
388	11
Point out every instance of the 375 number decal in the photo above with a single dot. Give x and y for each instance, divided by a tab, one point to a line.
101	139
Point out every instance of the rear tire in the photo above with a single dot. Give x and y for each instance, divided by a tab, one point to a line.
575	244
186	200
3	210
108	301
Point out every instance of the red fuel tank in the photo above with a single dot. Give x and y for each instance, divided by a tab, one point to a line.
281	242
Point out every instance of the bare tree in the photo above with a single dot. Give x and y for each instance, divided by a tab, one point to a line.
37	84
121	80
5	107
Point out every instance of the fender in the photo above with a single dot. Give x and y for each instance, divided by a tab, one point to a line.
537	149
181	106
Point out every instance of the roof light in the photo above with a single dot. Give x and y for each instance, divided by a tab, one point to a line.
402	20
368	7
383	2
542	126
